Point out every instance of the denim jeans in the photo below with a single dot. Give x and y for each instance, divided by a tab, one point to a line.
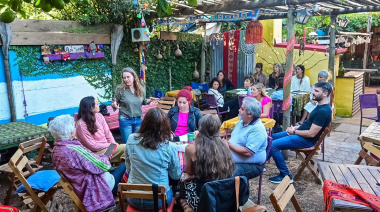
148	204
282	141
249	170
118	175
128	126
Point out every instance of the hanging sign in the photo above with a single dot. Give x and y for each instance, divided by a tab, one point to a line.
218	17
74	49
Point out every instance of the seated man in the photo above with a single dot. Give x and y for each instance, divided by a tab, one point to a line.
303	136
85	170
248	140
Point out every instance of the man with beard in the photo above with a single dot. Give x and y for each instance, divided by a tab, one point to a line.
303	136
248	140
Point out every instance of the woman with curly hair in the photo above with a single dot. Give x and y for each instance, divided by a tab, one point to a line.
208	159
129	98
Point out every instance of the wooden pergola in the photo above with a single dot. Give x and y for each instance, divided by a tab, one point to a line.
279	9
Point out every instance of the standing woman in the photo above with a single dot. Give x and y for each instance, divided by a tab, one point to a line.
93	131
184	118
129	98
259	76
277	72
225	84
208	159
300	82
258	92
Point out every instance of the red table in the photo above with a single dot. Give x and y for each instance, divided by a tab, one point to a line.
113	119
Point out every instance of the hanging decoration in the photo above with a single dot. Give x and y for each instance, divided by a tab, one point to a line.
288	75
254	32
196	73
92	48
214	41
178	52
143	67
218	17
143	24
247	49
159	56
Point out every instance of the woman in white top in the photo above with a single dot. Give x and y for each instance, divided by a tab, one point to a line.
300	82
231	105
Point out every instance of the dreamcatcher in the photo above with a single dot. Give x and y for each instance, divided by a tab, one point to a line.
246	48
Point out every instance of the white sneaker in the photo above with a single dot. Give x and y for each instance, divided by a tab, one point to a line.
264	170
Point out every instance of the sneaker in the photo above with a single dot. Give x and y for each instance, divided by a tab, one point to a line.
277	179
264	169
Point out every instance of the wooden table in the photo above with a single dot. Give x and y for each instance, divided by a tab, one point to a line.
231	123
14	133
371	134
365	178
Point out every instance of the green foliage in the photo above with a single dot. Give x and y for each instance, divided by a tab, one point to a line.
227	26
360	21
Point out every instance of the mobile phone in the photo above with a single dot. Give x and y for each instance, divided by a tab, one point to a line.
110	150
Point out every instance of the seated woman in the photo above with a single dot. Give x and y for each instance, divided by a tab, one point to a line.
150	158
208	159
277	72
311	105
258	92
86	171
248	81
231	105
300	82
278	94
225	84
184	118
93	131
259	76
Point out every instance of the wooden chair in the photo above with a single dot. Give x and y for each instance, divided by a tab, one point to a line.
25	147
369	160
282	194
78	204
18	163
166	103
142	191
307	158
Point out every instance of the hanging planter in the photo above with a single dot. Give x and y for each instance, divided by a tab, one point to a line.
254	33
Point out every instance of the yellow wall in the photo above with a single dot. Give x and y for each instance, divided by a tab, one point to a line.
344	89
313	61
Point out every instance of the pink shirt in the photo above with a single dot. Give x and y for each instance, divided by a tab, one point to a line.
265	101
98	141
182	128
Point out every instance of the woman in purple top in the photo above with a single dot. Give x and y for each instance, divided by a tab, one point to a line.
258	92
86	171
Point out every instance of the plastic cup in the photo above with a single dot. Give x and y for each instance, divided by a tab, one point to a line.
190	136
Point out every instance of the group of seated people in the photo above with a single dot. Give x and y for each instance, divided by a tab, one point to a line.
151	156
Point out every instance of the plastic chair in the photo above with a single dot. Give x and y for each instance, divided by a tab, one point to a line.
240	99
200	86
367	101
261	175
212	103
158	94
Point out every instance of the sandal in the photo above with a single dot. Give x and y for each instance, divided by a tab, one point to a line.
186	207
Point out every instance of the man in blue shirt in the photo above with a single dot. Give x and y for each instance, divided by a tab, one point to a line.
303	136
248	140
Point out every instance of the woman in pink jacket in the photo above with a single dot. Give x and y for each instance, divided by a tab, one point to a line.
93	132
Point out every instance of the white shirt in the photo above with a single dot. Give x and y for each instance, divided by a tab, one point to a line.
297	86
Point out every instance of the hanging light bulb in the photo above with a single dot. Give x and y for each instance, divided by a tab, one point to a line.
143	22
134	3
138	15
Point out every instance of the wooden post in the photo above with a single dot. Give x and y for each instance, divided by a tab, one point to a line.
289	72
332	49
116	37
203	55
6	37
365	58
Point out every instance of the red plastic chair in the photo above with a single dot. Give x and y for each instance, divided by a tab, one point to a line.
367	101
